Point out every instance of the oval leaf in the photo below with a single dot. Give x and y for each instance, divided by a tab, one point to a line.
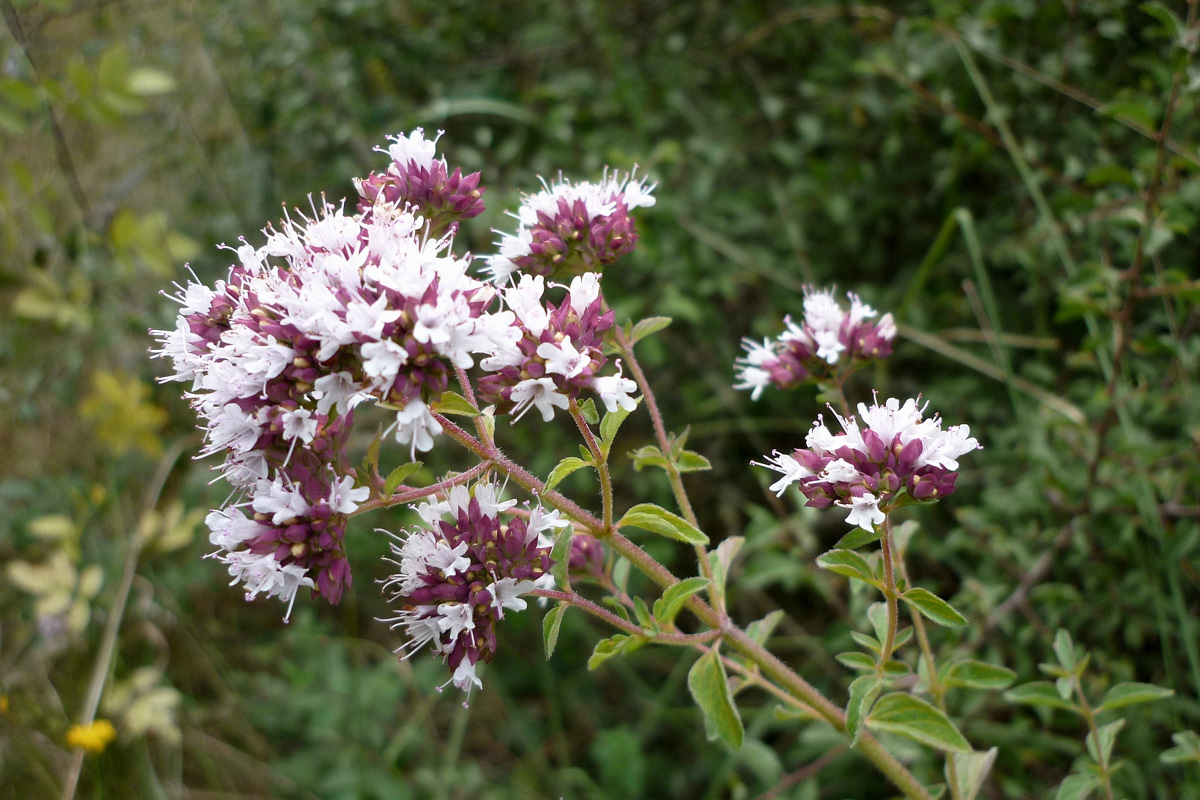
550	626
397	476
848	563
650	517
1127	694
858	537
564	468
912	718
456	404
1039	693
863	691
934	608
972	674
668	606
710	689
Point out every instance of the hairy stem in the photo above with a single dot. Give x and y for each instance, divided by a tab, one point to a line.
660	434
889	594
1090	716
619	622
606	487
407	494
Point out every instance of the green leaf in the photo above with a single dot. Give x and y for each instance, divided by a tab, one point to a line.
934	608
1064	649
857	538
648	456
371	462
971	770
913	718
856	661
848	563
610	425
667	607
564	468
646	327
1187	748
761	629
1127	694
560	554
397	476
863	691
588	409
643	614
1101	745
868	642
607	648
1170	21
1076	787
650	517
720	561
689	461
877	615
455	404
710	689
550	626
1040	693
971	674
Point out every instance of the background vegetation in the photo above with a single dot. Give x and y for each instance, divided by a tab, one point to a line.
1016	180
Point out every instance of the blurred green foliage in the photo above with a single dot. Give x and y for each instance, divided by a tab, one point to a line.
980	169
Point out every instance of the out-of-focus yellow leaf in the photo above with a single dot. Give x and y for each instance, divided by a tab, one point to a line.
120	411
145	81
54	527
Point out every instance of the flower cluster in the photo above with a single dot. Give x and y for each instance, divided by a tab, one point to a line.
868	470
567	229
331	310
460	572
827	339
558	352
424	183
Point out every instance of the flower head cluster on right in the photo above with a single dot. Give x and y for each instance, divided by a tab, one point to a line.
828	339
898	457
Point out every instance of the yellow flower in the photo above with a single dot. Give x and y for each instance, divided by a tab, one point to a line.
3	704
92	737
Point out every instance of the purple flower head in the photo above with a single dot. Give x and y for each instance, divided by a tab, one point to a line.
828	339
568	229
556	353
424	184
459	574
866	469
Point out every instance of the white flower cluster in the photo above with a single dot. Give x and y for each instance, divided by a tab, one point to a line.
572	226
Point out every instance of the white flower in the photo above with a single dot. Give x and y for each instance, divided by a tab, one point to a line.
859	311
415	424
829	346
299	424
792	470
281	501
344	498
525	300
584	290
839	471
539	392
487	496
456	619
615	391
230	527
420	552
942	448
542	521
421	626
864	512
750	373
335	390
262	574
382	362
464	676
412	149
563	359
506	593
